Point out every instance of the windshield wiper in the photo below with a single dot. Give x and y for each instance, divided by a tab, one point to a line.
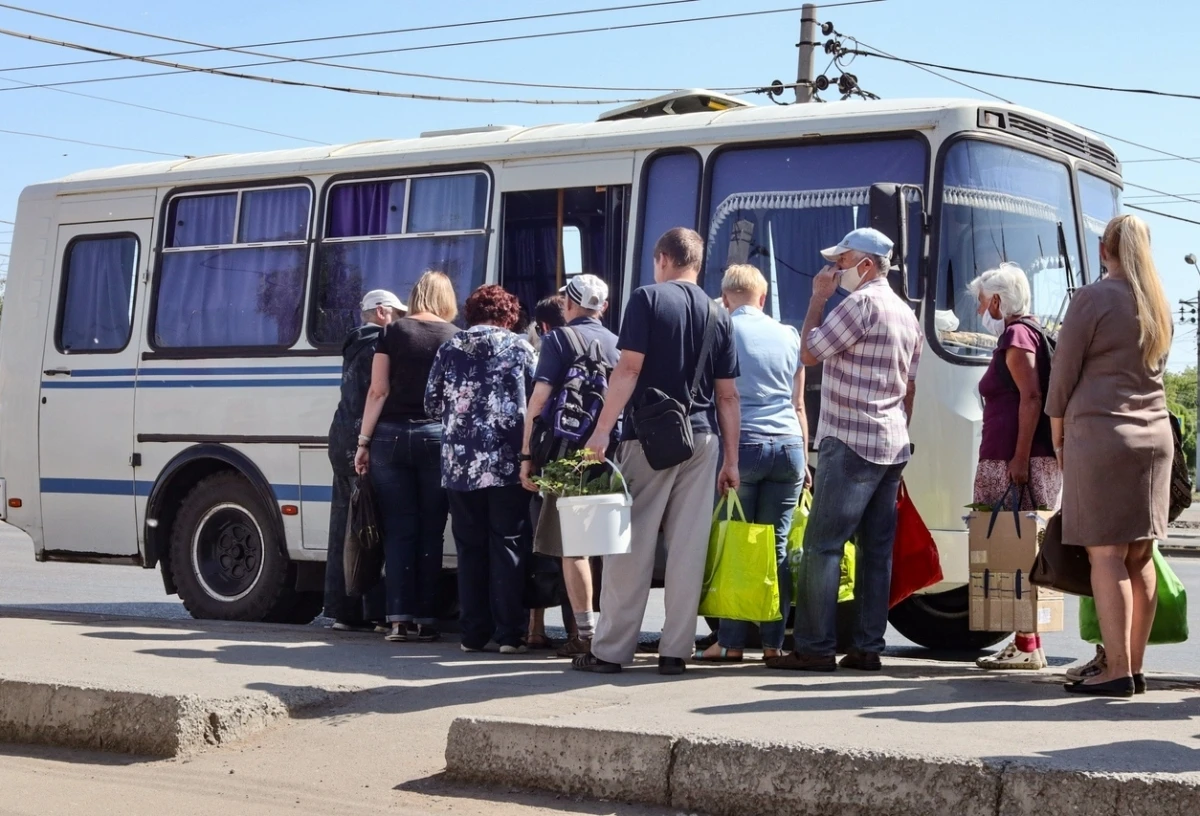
1066	301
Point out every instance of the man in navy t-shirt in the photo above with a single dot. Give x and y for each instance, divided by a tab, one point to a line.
586	300
662	332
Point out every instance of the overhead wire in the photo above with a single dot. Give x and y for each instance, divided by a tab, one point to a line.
174	113
92	144
357	35
426	47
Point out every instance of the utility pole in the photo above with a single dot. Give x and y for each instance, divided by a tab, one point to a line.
1191	259
806	72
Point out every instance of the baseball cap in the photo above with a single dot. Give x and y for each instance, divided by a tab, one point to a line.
864	239
587	290
381	297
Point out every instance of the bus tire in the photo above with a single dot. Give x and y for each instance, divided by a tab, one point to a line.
940	621
226	561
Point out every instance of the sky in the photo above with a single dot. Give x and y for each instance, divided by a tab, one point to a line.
1145	45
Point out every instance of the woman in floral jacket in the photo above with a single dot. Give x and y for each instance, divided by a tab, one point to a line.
478	388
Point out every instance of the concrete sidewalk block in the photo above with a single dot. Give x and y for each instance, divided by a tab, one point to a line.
136	722
597	763
732	778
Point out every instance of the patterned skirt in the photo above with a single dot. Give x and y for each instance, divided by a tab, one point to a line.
1045	482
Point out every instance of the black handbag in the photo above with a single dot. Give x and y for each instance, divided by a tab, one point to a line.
544	586
662	423
1061	566
1181	477
362	557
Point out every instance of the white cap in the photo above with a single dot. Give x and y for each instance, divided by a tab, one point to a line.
587	290
381	297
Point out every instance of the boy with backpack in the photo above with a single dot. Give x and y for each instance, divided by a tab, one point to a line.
570	385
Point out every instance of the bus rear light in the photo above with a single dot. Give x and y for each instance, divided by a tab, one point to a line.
14	503
290	510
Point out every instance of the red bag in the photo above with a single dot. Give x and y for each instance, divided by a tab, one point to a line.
915	562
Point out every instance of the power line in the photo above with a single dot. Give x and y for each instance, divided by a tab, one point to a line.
92	144
289	82
1163	214
511	38
1146	161
172	113
1039	80
935	73
2	221
388	32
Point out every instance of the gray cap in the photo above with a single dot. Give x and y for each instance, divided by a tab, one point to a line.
863	239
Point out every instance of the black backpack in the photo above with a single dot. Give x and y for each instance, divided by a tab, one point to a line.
570	415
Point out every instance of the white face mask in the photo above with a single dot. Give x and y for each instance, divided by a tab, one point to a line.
992	324
851	277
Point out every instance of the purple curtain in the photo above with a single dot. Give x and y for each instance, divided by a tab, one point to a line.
274	215
672	193
371	208
231	297
530	254
205	220
98	289
448	203
347	270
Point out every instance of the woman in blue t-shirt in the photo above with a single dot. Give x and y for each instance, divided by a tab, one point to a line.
1016	447
771	459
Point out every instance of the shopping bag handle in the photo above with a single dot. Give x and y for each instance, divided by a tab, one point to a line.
731	503
1018	493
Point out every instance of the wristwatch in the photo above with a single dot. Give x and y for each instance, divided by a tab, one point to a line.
524	457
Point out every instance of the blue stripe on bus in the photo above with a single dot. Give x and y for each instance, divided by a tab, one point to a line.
97	487
203	372
270	383
127	487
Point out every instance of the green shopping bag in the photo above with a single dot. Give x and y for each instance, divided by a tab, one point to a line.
741	578
1170	619
795	550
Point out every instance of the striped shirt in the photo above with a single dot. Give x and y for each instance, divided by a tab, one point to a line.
870	345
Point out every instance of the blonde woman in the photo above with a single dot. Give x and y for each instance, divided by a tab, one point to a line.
1112	436
400	446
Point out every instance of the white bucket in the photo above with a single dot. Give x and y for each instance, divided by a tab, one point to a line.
596	525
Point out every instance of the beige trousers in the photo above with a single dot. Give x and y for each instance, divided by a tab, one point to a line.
678	500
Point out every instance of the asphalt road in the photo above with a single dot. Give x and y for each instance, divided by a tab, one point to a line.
129	591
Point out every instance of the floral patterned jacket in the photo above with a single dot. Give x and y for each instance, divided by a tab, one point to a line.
478	388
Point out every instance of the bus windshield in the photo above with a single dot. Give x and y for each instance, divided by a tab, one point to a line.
1001	204
778	207
1100	201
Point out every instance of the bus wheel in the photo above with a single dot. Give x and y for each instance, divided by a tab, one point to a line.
225	559
940	621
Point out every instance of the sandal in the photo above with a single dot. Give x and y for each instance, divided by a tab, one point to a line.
722	657
590	663
540	642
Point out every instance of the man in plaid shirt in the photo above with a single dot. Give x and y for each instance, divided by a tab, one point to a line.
870	345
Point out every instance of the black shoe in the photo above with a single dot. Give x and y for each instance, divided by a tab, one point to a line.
1139	684
862	661
793	661
427	634
590	663
1121	687
671	665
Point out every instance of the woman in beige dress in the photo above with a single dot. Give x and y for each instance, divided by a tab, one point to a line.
1112	434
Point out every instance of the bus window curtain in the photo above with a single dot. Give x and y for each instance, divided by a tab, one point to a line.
97	299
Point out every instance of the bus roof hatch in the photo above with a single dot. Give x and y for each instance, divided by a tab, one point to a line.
691	101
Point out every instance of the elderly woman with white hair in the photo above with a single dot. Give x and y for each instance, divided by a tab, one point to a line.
1017	447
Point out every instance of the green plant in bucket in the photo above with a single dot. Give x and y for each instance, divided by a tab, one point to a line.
578	475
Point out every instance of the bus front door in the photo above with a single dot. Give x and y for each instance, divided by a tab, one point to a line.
89	369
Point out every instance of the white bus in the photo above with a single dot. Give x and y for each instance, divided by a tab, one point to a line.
170	354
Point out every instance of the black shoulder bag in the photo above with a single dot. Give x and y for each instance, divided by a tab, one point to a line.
663	424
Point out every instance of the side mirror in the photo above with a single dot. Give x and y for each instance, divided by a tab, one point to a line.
888	205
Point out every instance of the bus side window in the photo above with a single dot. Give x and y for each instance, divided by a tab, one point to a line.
97	302
234	269
670	198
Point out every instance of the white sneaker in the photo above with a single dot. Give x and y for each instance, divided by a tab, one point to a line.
1010	658
1093	667
512	650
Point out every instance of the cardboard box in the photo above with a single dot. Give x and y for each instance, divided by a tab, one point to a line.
1001	553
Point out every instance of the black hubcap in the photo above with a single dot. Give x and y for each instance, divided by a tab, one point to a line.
228	552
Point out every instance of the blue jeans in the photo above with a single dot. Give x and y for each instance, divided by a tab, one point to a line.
851	496
406	471
772	472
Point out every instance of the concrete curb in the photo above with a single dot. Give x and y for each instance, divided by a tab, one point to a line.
138	722
738	778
